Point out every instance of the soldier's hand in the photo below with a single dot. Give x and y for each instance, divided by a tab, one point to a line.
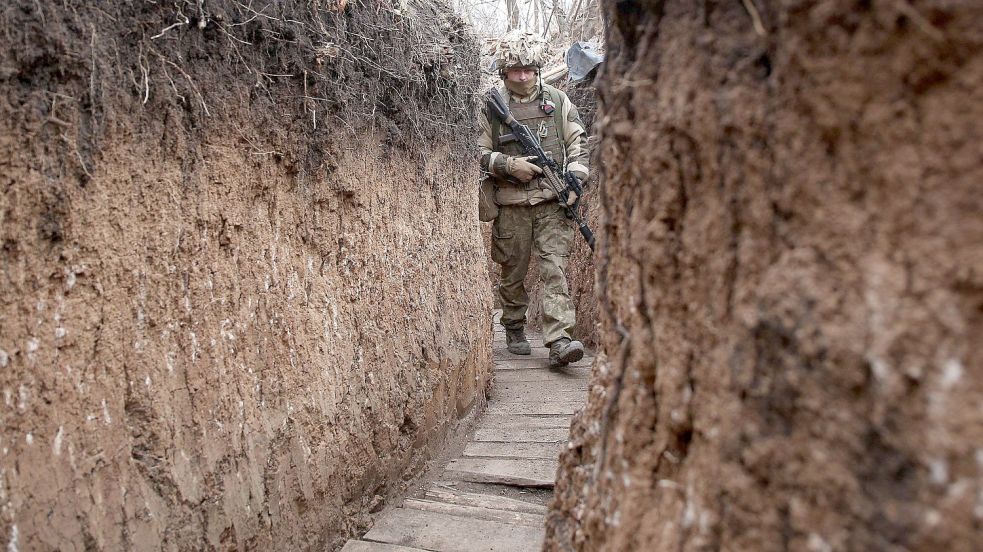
571	198
522	169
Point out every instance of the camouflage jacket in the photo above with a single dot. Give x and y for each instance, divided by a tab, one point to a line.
562	134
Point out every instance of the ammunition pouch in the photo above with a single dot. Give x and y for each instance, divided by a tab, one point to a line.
487	208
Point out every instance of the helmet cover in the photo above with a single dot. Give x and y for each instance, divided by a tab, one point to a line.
519	48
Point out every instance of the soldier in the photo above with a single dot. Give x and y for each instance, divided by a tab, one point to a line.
530	219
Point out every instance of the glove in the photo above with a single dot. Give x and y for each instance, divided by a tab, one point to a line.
573	196
580	177
521	169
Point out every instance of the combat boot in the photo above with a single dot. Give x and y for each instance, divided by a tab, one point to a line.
563	352
516	341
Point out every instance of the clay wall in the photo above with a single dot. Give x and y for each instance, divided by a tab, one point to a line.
790	282
243	287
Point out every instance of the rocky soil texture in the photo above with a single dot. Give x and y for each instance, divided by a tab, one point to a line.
790	282
243	291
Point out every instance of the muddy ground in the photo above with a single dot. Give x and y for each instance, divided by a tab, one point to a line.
790	282
242	286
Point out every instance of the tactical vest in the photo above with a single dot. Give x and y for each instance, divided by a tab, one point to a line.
548	128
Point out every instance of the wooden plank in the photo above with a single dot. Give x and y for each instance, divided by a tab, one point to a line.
454	496
541	392
477	512
538	352
533	408
544	375
575	372
508	379
506	471
582	366
363	546
445	533
522	435
502	421
548	383
514	450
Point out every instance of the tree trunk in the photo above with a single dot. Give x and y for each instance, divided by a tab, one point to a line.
561	21
513	11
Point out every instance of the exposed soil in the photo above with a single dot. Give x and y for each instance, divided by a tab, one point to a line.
790	282
580	273
245	298
241	304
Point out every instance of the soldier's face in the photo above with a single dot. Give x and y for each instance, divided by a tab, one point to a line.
520	74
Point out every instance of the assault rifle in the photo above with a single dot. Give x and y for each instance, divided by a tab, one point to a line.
560	181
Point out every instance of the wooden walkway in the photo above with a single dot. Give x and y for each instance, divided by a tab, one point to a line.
476	506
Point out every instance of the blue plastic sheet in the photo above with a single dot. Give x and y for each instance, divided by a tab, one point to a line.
582	58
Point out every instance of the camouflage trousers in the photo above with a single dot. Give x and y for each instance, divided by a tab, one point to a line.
519	231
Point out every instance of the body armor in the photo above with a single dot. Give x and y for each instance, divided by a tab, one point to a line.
548	128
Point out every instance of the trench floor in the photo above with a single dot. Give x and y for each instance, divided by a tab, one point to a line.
492	497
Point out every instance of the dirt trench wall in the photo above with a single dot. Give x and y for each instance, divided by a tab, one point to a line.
581	268
792	283
243	291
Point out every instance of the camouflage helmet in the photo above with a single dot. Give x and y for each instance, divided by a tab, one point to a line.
519	48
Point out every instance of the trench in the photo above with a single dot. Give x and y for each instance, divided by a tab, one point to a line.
247	303
491	488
